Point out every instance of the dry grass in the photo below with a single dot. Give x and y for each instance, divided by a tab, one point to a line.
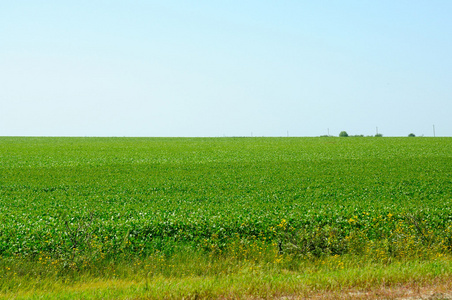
248	284
435	290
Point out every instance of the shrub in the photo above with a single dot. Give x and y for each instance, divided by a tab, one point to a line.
411	135
343	134
379	135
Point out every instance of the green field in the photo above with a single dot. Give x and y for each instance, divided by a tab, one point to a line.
154	211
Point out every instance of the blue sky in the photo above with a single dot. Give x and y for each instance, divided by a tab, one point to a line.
230	68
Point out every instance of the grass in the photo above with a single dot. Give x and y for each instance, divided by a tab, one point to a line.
226	278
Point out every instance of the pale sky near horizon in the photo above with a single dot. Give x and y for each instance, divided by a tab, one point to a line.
229	68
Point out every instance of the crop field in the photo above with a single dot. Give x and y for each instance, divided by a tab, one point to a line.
173	207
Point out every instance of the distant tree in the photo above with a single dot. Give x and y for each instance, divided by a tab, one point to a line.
343	134
379	135
411	135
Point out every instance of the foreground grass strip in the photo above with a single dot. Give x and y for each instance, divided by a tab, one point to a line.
252	281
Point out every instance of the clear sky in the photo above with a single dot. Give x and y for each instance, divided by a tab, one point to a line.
225	68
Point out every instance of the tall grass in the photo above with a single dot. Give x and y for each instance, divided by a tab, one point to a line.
243	269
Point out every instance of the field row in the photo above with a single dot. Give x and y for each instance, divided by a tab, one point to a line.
304	196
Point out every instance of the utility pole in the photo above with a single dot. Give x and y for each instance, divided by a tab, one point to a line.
328	132
377	130
434	135
287	133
